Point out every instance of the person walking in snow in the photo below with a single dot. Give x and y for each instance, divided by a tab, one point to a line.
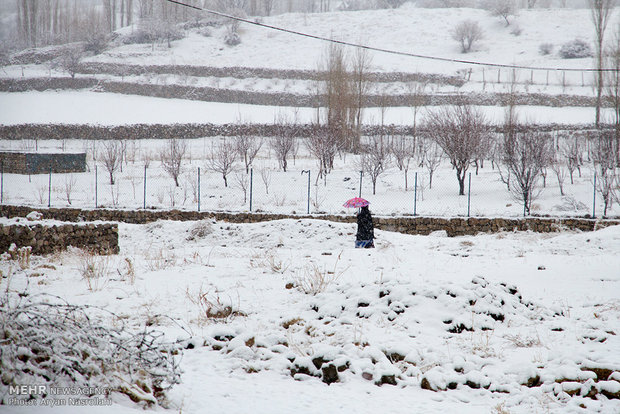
365	230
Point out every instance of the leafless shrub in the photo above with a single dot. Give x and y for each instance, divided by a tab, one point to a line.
467	33
160	259
313	280
47	341
545	48
463	133
200	230
95	269
222	158
271	261
212	307
20	255
172	158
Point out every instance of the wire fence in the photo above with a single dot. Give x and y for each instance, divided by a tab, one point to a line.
300	190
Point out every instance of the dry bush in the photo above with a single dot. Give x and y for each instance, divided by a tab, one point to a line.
212	307
467	33
270	261
162	259
94	269
313	280
47	341
21	255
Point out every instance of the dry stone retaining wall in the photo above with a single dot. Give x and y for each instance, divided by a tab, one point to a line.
45	239
406	225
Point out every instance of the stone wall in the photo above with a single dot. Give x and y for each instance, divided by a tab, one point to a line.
407	225
45	239
42	163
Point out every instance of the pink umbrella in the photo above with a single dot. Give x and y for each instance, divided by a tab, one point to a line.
356	203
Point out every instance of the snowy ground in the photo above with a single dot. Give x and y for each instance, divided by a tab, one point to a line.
86	107
526	305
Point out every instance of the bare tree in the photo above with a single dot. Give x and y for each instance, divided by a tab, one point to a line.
375	158
558	167
462	132
243	182
247	147
111	158
432	159
265	175
283	142
222	158
525	155
323	144
467	33
337	91
503	9
360	86
70	182
70	61
416	102
612	82
172	158
604	155
571	150
600	11
403	150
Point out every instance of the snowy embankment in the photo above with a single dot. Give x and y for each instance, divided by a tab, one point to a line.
273	312
85	107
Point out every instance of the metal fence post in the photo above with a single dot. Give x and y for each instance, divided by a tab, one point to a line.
302	173
361	174
415	195
144	199
594	198
49	189
198	188
251	181
2	183
469	196
308	192
96	187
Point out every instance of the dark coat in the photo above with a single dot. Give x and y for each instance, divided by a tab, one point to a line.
365	228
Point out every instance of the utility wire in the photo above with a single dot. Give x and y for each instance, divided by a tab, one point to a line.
389	51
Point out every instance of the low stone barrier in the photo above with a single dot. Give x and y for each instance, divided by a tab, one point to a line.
458	226
45	239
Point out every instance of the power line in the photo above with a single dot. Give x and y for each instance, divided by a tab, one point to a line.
389	51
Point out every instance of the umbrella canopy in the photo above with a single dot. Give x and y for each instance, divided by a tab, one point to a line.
356	203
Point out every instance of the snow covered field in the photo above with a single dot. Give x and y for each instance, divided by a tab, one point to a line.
477	318
285	192
86	107
503	323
